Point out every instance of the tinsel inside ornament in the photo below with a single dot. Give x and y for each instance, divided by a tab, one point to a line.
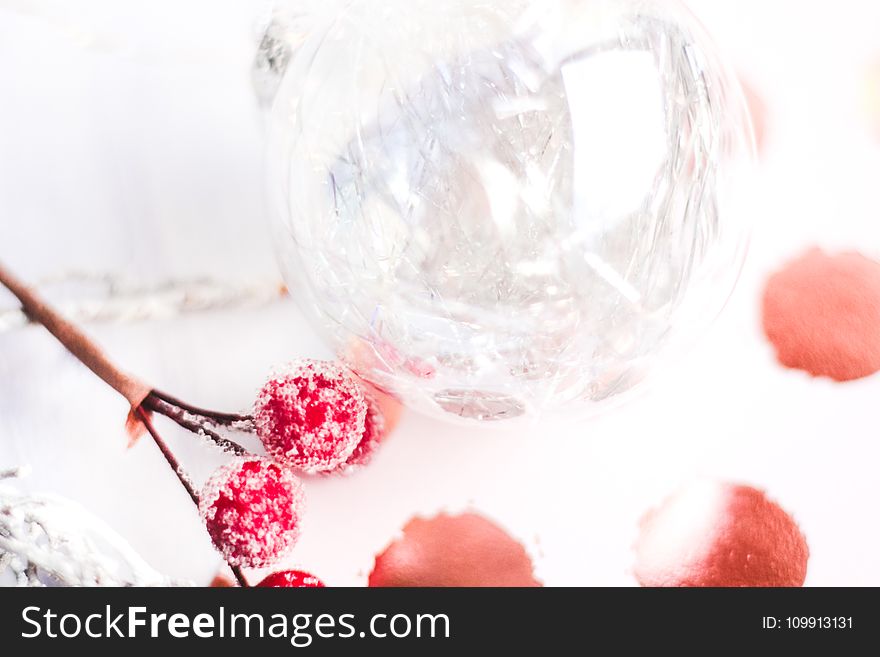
494	208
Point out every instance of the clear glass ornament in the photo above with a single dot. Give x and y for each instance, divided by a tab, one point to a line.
497	208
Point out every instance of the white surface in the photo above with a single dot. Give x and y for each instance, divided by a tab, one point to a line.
130	142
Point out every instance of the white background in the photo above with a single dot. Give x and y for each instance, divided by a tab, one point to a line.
130	142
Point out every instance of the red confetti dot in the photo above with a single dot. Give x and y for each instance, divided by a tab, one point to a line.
252	509
295	579
822	313
716	534
463	550
311	415
221	581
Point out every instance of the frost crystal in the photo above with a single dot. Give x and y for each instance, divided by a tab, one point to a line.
311	415
252	509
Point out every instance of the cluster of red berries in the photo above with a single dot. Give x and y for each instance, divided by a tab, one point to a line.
312	417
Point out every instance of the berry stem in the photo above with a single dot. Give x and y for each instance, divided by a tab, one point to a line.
141	397
135	391
239	575
144	417
223	419
181	416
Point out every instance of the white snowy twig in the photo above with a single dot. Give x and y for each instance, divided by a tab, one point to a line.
108	298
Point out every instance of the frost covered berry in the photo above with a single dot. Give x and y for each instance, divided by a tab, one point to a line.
294	579
383	414
374	430
311	415
252	509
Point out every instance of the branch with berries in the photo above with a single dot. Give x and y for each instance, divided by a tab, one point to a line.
312	417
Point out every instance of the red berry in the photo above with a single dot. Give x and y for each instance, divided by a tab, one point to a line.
465	550
294	579
717	534
252	509
363	452
383	414
821	312
311	415
389	406
374	430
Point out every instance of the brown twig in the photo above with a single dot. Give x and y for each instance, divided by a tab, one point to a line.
133	389
75	341
144	417
222	419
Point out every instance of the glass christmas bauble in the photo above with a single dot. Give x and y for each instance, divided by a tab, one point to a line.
498	208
